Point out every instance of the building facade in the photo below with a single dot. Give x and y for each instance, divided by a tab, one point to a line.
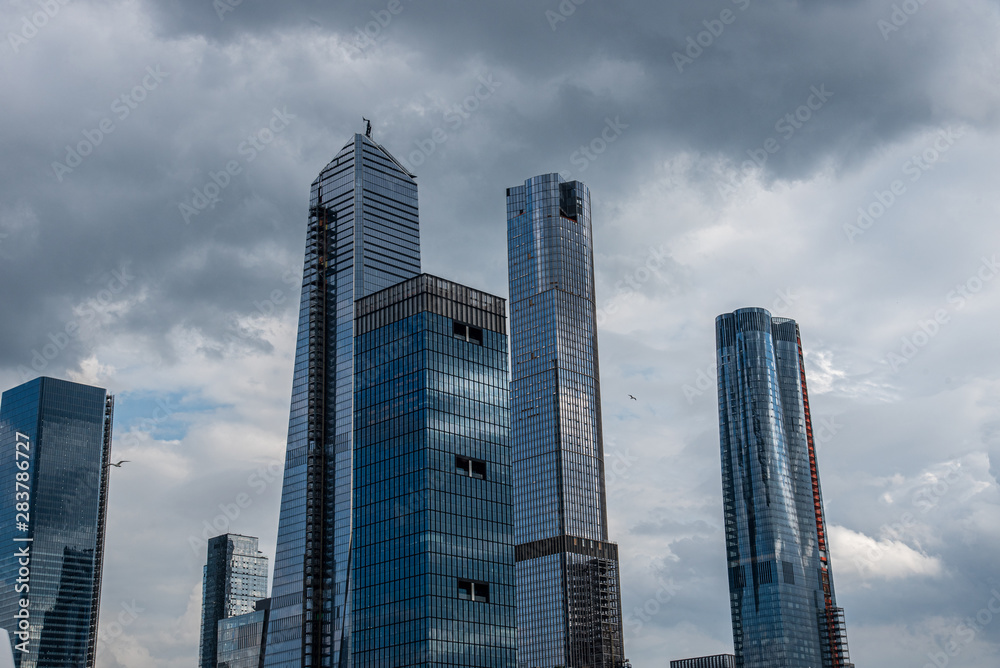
242	639
235	579
433	555
569	601
362	236
714	661
55	444
782	598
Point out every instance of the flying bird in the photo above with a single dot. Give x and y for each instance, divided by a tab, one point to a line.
632	398
118	464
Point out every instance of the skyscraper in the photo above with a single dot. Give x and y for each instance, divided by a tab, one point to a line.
55	441
568	598
242	640
433	556
784	609
235	579
362	236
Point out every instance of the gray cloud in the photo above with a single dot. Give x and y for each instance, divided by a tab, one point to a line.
206	315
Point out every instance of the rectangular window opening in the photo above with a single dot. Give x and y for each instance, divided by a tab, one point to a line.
467	333
473	591
470	467
480	592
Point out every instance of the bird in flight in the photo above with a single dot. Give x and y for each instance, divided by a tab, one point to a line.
632	398
118	464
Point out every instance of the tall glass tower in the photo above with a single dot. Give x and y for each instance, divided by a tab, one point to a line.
784	609
362	237
433	558
55	444
235	579
568	597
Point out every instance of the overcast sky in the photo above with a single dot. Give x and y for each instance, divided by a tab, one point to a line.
834	161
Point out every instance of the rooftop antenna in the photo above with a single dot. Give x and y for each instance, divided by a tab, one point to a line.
368	127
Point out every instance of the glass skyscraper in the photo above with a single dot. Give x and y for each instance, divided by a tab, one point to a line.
362	236
242	639
235	579
433	555
568	597
784	609
55	441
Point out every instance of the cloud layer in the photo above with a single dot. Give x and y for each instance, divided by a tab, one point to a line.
800	156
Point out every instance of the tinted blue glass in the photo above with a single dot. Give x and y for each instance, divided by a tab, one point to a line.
569	605
781	586
362	236
240	640
51	523
433	557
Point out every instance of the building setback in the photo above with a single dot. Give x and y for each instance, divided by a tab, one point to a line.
568	598
433	555
362	236
782	598
55	444
235	579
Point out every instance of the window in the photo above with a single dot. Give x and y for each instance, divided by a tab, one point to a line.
473	591
467	333
470	467
789	572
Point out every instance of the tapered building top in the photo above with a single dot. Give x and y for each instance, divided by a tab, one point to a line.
782	597
362	236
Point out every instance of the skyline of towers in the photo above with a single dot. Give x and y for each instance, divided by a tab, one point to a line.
55	444
433	555
782	599
362	236
235	578
397	516
568	590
